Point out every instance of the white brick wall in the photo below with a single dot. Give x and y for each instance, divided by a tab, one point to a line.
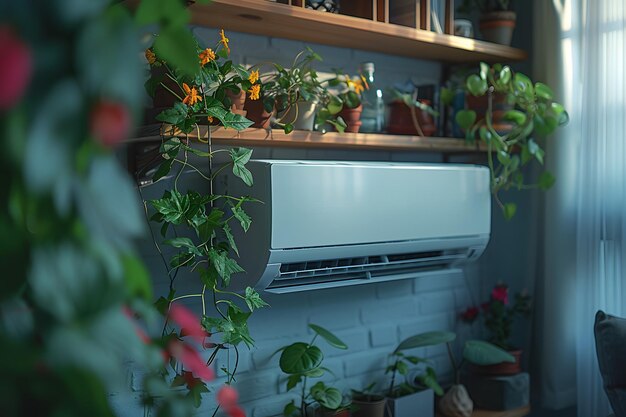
371	319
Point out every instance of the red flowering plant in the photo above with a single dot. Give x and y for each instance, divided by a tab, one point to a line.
498	314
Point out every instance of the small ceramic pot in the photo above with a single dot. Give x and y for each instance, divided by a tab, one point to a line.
499	106
301	114
352	117
369	407
498	27
258	114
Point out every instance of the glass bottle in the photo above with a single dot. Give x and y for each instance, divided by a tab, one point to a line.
373	104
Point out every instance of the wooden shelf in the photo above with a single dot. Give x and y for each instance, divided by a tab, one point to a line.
267	18
317	140
518	412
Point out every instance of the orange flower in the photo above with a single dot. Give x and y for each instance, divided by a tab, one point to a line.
150	56
206	56
254	76
364	80
192	96
224	41
255	92
210	119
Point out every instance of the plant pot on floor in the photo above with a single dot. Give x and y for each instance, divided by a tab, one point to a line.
498	27
421	403
301	115
456	402
352	117
370	406
401	120
500	106
257	113
504	368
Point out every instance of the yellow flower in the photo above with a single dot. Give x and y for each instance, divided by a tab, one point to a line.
255	92
192	96
224	41
206	56
358	87
210	119
364	80
150	56
254	76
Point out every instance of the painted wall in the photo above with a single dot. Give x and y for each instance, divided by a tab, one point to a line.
371	319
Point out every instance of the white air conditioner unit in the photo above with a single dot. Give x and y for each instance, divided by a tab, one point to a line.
330	224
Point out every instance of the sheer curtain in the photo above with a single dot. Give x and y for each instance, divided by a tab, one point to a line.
585	217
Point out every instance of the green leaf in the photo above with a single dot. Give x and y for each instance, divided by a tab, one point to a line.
484	70
546	180
425	339
300	357
174	115
288	128
480	352
476	85
543	91
429	379
314	373
447	96
253	299
137	278
327	397
224	265
509	210
293	381
330	338
352	99
176	46
515	116
242	216
231	239
181	259
208	276
290	409
465	118
523	85
335	104
240	157
183	242
504	76
402	368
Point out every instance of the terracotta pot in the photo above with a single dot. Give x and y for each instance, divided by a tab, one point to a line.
401	121
258	114
237	99
352	117
498	27
500	106
369	407
336	413
504	368
162	99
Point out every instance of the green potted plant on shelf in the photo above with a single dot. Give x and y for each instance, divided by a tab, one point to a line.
512	116
415	395
344	103
294	92
409	115
497	18
301	361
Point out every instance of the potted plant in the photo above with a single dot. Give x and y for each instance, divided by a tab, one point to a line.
345	104
498	316
368	403
294	92
456	401
497	19
532	115
415	395
301	361
409	115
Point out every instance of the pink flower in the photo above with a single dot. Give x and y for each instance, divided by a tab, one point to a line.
227	397
470	314
190	359
235	411
16	68
188	322
110	123
500	293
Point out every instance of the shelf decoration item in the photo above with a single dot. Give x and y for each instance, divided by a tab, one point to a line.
497	19
331	6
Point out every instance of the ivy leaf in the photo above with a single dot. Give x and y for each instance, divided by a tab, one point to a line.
402	368
228	119
208	276
253	299
242	216
290	409
231	239
224	265
546	180
183	242
240	332
240	157
476	85
174	115
210	223
509	210
163	170
172	206
181	259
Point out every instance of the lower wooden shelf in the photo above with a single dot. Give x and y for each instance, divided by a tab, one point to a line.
518	412
317	140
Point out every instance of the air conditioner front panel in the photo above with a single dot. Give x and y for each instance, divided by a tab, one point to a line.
317	204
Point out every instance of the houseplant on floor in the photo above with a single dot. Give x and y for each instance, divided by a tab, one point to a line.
497	18
498	316
532	116
415	395
301	361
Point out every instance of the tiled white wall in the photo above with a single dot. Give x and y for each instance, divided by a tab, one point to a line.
371	319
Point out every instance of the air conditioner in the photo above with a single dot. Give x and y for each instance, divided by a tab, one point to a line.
328	224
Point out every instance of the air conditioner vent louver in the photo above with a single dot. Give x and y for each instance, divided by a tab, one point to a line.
330	270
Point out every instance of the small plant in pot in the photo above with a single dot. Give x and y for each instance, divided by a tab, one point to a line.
295	93
498	316
513	120
368	403
497	18
345	104
415	395
409	115
456	401
301	361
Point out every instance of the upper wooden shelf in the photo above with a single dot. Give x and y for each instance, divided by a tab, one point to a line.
317	140
263	17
